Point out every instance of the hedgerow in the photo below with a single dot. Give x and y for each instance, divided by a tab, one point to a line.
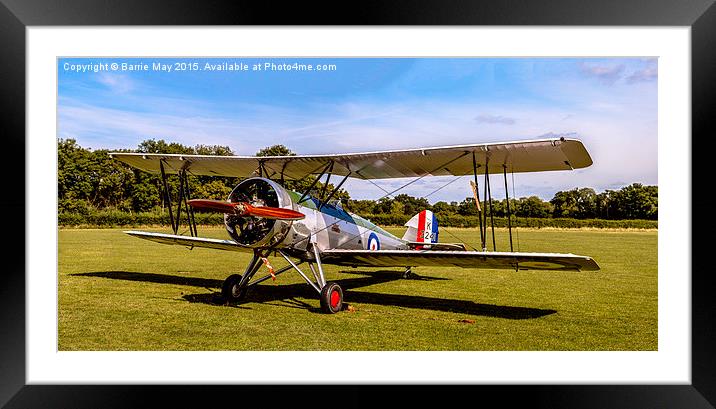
118	218
456	220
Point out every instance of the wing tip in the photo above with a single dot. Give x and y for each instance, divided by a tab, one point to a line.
590	265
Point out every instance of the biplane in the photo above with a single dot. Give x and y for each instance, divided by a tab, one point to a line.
265	219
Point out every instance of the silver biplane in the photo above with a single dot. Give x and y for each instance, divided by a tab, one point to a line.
264	218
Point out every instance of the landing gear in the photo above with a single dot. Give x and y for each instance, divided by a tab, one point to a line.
331	298
232	290
330	293
408	273
235	286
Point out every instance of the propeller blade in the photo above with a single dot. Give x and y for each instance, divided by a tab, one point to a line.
273	212
219	206
245	209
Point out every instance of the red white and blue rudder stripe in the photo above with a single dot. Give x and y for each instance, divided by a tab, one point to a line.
422	228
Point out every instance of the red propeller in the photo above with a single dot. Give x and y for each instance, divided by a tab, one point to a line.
245	209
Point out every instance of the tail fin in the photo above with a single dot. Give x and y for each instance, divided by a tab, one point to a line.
423	228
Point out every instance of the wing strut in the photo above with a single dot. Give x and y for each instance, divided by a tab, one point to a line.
507	196
477	202
305	193
189	210
328	180
166	194
184	195
333	192
488	199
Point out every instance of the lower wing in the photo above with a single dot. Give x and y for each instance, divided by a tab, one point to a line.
406	258
464	259
189	241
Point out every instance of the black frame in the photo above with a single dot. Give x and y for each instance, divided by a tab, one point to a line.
15	15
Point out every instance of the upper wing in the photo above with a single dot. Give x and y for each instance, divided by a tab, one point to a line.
525	156
189	241
465	259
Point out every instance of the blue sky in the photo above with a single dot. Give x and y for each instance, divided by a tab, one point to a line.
368	104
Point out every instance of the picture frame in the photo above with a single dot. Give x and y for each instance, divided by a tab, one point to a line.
16	16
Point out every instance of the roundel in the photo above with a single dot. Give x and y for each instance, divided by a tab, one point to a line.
373	242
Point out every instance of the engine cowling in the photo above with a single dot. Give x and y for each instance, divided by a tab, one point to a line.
259	232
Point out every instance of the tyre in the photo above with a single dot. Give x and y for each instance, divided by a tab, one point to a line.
230	289
331	298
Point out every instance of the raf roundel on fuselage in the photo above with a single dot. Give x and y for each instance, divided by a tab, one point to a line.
373	242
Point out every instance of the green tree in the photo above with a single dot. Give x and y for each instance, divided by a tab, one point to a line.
578	203
275	150
214	189
383	206
586	203
602	203
161	146
412	205
635	201
214	150
397	208
360	207
531	206
145	192
90	177
444	208
468	207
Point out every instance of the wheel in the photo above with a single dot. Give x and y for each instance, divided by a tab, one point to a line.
230	289
331	298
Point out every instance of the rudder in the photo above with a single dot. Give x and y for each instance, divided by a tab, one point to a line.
422	228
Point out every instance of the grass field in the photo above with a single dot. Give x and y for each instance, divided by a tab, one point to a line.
117	292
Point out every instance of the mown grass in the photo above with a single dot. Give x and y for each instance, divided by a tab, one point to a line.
117	292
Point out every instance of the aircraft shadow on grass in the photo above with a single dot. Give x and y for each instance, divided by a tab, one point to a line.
287	294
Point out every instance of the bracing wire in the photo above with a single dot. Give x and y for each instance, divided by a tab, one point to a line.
442	187
461	240
378	186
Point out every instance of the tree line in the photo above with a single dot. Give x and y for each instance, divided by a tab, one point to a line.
89	180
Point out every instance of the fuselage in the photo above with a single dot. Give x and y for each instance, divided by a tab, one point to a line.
333	227
324	227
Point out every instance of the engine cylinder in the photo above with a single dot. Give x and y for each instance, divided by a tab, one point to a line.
259	232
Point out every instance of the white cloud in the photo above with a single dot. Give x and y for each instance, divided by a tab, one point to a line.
606	74
116	83
644	75
494	119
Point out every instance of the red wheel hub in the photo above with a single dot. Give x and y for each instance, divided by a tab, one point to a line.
335	298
